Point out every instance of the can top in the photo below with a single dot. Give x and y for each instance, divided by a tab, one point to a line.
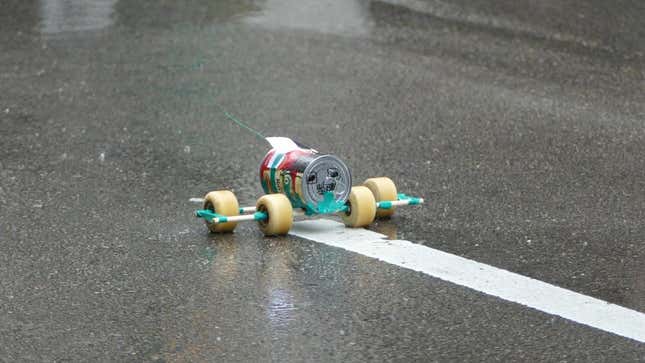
326	173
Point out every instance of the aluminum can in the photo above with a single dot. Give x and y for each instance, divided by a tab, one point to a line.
304	176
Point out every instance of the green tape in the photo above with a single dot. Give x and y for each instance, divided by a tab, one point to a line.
222	219
310	210
385	205
411	200
329	204
207	214
260	216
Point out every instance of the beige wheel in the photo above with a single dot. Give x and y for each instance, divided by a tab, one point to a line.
222	202
362	208
280	213
383	189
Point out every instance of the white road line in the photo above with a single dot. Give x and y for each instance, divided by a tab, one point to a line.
478	276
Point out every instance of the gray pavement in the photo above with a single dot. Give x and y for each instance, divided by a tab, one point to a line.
525	134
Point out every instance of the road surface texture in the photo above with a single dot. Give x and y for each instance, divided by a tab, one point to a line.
522	124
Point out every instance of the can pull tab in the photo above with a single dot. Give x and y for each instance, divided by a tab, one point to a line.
284	144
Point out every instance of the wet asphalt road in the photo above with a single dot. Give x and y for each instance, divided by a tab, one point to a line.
521	124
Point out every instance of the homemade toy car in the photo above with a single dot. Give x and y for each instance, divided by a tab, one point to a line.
297	181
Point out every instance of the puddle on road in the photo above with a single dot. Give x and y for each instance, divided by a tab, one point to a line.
78	16
58	16
331	16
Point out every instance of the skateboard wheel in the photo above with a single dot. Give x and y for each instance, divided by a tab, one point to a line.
279	212
225	203
362	208
383	189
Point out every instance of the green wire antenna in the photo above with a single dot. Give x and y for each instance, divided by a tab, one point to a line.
240	123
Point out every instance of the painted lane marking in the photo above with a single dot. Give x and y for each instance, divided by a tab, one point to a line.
478	276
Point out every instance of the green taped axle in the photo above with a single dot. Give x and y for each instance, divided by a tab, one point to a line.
327	207
213	217
402	199
260	216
